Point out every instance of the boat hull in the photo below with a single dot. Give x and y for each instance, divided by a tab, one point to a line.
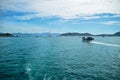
87	39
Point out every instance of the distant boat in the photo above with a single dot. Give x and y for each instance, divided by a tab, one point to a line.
103	36
88	39
50	33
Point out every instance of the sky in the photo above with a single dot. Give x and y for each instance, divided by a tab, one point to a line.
60	16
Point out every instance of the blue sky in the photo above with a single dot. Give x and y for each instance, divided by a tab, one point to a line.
37	16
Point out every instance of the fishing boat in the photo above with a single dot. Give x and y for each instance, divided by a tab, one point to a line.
88	39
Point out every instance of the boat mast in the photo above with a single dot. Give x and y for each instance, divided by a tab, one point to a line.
49	32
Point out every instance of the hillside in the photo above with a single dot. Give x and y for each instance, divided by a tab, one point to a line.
76	34
116	34
6	35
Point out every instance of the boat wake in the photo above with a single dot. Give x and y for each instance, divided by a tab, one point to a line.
108	44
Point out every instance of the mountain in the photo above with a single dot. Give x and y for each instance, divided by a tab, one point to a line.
104	35
76	34
6	35
88	34
25	34
116	34
50	34
35	34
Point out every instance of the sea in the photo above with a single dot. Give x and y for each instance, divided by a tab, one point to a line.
59	58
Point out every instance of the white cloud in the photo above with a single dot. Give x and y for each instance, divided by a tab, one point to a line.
91	17
65	9
117	23
27	17
111	23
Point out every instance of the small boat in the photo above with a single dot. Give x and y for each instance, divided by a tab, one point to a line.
88	39
103	36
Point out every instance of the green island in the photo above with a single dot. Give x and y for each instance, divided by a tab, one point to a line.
88	34
6	35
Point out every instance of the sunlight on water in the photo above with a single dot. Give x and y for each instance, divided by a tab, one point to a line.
28	71
28	68
108	44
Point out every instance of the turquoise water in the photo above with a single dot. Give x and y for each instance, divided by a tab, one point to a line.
59	58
